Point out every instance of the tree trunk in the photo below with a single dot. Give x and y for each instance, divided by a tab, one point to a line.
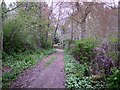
2	18
39	43
1	33
46	38
57	24
83	29
55	34
71	39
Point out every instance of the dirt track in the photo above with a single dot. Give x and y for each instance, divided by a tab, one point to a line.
52	76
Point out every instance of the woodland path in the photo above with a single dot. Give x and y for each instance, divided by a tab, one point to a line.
44	74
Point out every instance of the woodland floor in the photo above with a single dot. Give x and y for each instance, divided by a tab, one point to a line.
49	73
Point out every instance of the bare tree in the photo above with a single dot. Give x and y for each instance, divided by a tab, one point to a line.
57	24
84	10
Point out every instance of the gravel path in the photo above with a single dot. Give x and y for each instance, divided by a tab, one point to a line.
52	76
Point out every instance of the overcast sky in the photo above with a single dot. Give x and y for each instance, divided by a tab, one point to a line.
48	1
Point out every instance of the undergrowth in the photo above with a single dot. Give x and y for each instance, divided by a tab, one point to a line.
91	65
76	76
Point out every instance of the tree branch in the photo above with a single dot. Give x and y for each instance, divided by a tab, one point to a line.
87	11
13	8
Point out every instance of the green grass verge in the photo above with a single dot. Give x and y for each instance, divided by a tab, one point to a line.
20	62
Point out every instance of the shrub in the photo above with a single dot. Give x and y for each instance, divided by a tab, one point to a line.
16	37
102	63
20	34
113	50
113	82
83	50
